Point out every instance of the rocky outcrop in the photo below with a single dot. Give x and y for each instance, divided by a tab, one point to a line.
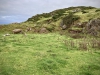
93	27
43	30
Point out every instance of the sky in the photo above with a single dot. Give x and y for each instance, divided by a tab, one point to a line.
12	11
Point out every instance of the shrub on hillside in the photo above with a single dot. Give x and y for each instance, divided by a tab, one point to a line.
46	15
50	28
57	14
55	17
70	19
83	11
59	11
85	8
97	10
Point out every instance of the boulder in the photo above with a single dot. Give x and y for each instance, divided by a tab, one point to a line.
6	35
16	31
63	27
43	30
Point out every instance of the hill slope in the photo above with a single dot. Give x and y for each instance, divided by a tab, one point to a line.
72	52
58	20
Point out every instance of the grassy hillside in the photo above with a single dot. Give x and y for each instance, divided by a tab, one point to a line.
60	13
48	54
52	21
62	42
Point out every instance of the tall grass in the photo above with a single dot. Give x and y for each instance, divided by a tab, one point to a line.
83	43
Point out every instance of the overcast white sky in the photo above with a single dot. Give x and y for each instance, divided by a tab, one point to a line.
21	10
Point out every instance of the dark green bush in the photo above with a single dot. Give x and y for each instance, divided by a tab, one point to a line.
97	10
70	19
83	11
46	15
55	17
85	8
50	27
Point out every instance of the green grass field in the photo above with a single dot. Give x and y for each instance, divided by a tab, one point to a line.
46	54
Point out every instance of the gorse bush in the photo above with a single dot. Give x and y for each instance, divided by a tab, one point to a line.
70	19
50	28
97	10
85	8
83	11
46	15
57	14
55	17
